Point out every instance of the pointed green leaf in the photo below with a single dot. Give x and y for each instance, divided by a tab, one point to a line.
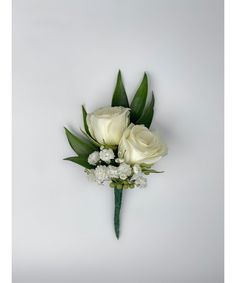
119	96
85	120
81	160
153	171
139	100
90	138
147	116
80	146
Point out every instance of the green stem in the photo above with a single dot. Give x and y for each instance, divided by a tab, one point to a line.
118	199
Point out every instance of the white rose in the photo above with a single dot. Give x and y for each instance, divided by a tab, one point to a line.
107	124
139	145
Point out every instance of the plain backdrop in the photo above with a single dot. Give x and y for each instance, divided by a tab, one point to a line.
67	53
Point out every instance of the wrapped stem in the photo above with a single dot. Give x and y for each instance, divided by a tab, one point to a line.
118	199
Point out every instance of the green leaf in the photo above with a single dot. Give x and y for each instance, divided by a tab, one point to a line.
90	138
81	160
146	165
85	120
80	146
139	100
147	116
152	171
119	96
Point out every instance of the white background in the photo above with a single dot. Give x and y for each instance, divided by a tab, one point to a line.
67	53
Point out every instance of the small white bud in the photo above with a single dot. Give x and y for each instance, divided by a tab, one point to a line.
106	155
137	169
123	176
113	172
100	174
124	171
119	160
141	182
90	174
93	158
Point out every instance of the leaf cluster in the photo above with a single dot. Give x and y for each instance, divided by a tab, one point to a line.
140	111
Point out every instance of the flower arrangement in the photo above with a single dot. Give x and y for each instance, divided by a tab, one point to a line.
118	146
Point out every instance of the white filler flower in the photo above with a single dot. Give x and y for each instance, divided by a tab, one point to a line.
106	155
124	171
100	174
93	158
141	181
91	175
119	160
112	172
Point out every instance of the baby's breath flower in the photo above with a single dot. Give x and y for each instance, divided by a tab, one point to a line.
93	158
119	160
141	182
124	171
123	176
100	174
90	174
106	155
113	172
139	179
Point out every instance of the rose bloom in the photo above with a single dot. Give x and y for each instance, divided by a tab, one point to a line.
107	124
139	145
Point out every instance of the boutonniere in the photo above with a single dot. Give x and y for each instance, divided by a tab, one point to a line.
118	148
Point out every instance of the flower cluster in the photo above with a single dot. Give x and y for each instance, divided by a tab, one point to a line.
126	151
109	168
105	155
123	152
118	146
